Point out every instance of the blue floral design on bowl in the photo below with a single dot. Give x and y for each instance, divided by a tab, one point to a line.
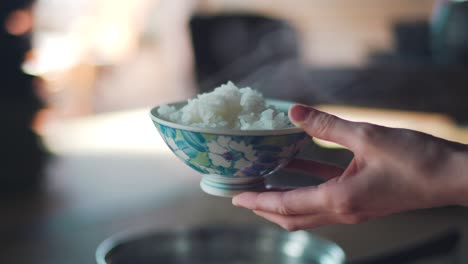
232	160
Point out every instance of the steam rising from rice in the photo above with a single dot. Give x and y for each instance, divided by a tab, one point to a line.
227	107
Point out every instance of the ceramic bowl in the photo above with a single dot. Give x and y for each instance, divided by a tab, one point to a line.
232	161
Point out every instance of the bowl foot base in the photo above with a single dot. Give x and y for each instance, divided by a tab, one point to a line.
228	187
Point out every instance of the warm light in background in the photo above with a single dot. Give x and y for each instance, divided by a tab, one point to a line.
106	55
54	53
124	132
125	44
133	131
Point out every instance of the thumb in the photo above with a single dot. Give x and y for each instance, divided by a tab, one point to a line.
325	126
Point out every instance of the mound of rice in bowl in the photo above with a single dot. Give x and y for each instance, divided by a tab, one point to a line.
227	107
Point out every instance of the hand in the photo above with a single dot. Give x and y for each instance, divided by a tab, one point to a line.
393	170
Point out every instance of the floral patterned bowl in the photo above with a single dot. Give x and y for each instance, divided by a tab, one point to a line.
232	161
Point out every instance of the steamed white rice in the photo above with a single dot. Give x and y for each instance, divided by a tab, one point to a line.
227	107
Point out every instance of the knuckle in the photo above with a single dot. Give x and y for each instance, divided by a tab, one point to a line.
327	196
344	207
284	207
367	135
283	210
345	204
323	123
367	132
259	202
347	209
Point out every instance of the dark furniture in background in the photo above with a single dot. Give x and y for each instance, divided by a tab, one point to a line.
21	154
234	46
427	71
450	35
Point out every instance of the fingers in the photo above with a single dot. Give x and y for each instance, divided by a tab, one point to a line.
322	170
310	207
297	222
324	126
300	222
299	201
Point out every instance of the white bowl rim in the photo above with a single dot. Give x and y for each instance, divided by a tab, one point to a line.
228	132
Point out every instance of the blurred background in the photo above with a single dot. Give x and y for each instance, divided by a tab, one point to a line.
80	158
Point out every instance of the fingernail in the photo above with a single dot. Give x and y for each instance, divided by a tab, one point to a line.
235	201
298	113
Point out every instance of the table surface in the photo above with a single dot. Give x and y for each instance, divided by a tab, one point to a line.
112	183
